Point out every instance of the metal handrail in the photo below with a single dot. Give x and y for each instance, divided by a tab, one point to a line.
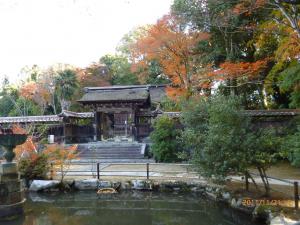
275	178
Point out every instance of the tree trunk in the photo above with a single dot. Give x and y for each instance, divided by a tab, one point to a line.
265	181
250	176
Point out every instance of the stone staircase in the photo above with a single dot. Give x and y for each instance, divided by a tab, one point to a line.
112	151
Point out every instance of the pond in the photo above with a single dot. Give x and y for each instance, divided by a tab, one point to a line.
130	208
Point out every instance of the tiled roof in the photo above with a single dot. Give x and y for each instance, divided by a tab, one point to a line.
30	119
172	114
254	113
114	87
274	112
124	93
45	118
66	113
115	95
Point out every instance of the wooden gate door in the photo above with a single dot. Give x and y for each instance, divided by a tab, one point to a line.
122	125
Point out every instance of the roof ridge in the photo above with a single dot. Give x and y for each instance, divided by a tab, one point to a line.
116	87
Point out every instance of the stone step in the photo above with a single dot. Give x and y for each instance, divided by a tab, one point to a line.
117	147
112	157
104	150
112	160
110	144
108	148
112	151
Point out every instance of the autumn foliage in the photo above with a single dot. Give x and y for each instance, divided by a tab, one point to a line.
61	156
37	92
95	75
248	6
28	148
231	70
174	49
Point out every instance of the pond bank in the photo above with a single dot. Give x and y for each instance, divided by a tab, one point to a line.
211	191
128	208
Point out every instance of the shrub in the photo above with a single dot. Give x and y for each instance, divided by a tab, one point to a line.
215	131
220	135
61	157
164	137
34	167
291	148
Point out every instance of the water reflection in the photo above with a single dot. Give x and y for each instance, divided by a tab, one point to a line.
132	208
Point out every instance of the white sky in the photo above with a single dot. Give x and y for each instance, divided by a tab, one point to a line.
77	32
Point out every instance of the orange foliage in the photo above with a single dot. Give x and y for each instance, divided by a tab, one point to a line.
61	157
94	75
175	93
174	49
248	6
58	153
28	90
289	48
28	148
229	70
36	92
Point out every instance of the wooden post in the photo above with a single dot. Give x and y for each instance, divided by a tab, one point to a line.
247	181
95	126
296	194
64	132
147	171
98	171
51	171
134	124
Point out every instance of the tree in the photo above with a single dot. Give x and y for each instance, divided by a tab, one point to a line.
25	107
37	93
291	147
61	158
165	147
96	75
215	131
66	85
263	151
241	70
151	73
174	49
291	83
232	26
119	70
290	9
246	32
223	142
34	168
236	76
124	46
8	98
31	72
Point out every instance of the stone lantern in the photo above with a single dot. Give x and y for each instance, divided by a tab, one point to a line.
11	191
